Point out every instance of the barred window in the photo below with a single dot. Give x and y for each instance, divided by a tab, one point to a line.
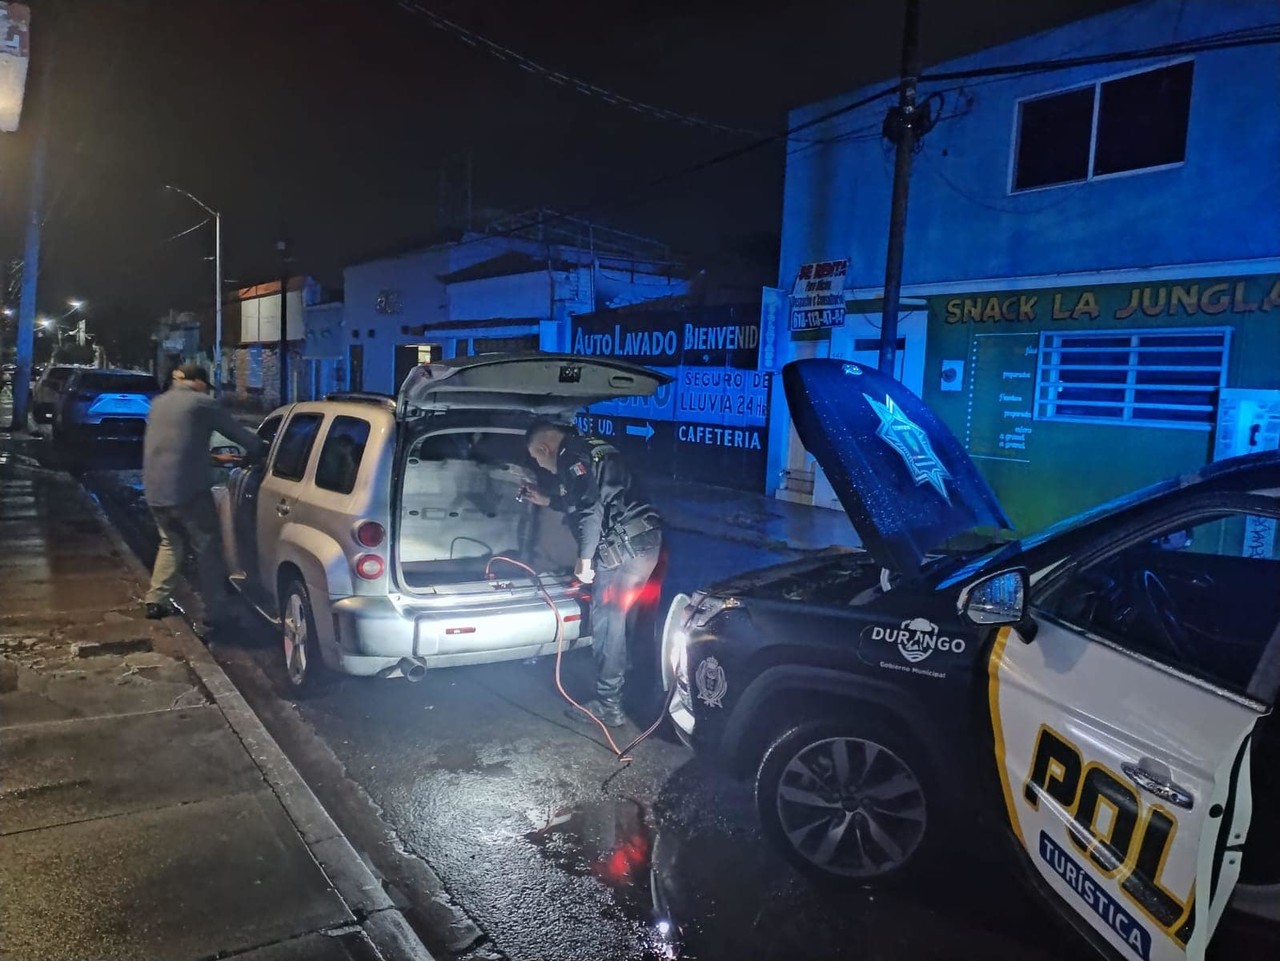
1150	378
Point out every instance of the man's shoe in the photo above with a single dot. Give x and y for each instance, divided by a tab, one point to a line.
156	612
609	713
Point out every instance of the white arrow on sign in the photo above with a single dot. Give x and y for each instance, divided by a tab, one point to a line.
646	431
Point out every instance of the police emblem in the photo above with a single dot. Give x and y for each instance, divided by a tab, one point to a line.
912	443
712	685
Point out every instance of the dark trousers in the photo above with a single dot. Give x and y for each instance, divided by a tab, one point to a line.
616	597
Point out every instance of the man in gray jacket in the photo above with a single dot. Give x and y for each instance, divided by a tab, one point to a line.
177	476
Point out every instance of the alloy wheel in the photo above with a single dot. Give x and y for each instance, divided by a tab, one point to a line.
851	807
296	635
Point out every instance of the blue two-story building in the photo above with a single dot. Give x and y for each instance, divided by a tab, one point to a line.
1092	267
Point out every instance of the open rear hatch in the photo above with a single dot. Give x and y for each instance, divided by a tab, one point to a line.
464	460
543	384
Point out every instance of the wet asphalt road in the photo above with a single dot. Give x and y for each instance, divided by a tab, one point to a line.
546	847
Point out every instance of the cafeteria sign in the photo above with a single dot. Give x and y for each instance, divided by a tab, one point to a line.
817	300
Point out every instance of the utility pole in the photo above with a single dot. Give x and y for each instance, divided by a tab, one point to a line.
470	173
901	125
217	305
31	268
283	349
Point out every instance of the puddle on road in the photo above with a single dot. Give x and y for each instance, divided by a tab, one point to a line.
613	841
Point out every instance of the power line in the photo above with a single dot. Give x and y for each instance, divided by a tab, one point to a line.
585	87
695	168
1251	37
1259	36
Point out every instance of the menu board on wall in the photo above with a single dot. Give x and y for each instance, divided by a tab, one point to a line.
1000	413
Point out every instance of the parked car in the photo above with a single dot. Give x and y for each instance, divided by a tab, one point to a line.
47	390
103	405
1099	693
372	531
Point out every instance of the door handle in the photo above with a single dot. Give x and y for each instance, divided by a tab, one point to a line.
1161	787
282	509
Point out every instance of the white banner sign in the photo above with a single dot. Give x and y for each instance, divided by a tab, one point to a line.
817	299
15	55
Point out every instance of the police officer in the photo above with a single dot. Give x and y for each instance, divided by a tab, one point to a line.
619	536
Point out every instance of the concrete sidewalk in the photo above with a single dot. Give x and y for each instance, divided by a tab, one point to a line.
145	812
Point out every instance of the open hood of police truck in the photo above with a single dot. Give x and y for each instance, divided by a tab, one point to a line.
542	383
903	478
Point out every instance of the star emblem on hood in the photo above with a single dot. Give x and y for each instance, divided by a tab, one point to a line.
912	443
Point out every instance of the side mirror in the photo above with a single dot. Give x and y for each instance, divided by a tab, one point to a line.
996	599
225	455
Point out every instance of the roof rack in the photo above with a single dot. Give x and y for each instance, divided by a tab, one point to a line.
364	397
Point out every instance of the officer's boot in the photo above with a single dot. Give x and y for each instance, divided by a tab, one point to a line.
608	710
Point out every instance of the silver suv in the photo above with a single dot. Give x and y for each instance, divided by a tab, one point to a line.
374	529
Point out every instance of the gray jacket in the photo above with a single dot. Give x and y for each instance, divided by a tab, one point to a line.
175	453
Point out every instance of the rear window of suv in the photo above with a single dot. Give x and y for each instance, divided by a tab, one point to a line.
295	446
341	454
118	383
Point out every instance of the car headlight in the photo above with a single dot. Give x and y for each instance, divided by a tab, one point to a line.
678	656
704	607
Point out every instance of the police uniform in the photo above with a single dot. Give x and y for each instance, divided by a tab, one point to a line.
620	532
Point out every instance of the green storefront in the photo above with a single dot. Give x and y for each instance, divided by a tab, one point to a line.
1067	397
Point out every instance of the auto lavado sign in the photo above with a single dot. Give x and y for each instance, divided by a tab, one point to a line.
708	424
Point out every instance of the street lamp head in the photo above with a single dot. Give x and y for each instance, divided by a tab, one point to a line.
46	323
75	304
7	311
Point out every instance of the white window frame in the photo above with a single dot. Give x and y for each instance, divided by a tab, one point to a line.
1096	86
1050	360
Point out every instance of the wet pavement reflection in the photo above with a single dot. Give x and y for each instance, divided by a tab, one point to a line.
556	851
613	842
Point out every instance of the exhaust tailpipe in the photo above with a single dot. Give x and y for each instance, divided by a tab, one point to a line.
413	670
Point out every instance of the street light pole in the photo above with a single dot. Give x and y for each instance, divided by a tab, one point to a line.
217	257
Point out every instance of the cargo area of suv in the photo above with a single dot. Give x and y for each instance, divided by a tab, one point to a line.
459	509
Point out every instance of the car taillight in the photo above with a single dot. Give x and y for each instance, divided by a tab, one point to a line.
370	566
370	533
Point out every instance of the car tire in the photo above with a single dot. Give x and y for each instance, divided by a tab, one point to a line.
846	803
303	669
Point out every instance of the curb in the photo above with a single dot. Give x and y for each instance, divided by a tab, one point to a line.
382	922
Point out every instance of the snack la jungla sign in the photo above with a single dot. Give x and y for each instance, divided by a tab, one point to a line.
1142	302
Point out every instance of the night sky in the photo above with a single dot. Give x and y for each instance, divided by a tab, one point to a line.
331	121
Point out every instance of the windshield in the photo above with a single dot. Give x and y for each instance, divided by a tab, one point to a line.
118	383
974	561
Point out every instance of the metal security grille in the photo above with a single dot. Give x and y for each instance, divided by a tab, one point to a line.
1150	378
